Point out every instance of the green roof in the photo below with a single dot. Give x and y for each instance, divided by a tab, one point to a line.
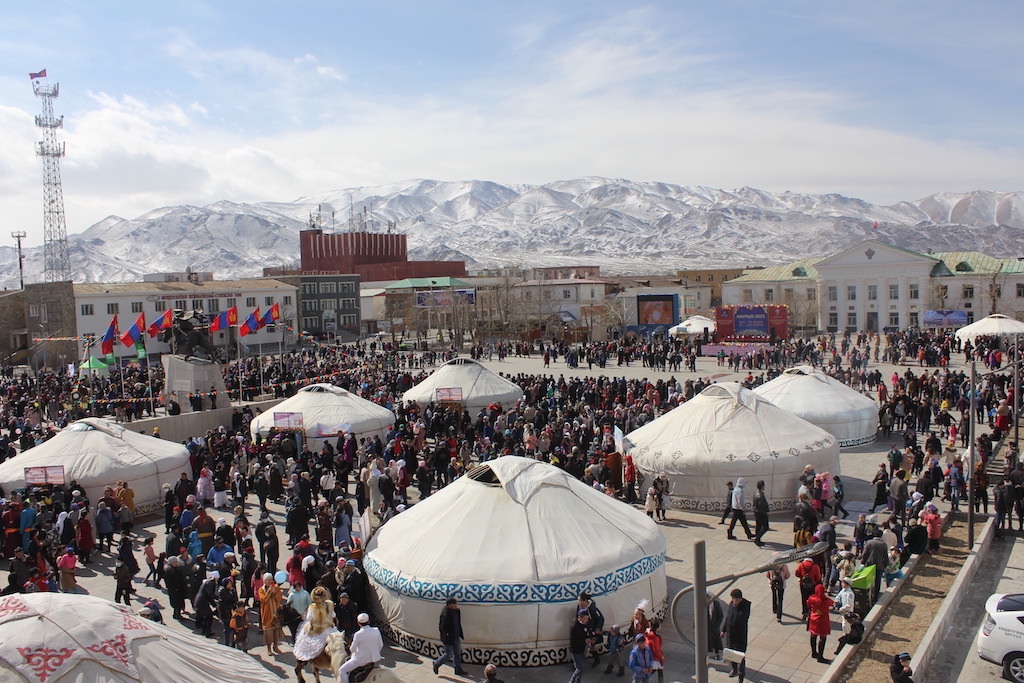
427	283
974	263
798	270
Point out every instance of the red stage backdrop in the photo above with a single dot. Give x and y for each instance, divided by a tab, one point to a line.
752	323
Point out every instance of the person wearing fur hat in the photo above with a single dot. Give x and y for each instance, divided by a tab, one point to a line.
316	627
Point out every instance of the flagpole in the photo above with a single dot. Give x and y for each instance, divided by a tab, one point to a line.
149	373
238	363
120	371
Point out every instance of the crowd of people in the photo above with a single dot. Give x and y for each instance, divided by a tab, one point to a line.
221	567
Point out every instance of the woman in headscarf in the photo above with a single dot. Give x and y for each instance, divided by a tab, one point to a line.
65	529
204	487
67	565
819	623
270	608
85	539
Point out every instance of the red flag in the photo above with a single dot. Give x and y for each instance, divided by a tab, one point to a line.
271	316
107	340
135	331
161	323
251	324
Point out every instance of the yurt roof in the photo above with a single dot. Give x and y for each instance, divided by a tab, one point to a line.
479	386
824	401
68	637
722	424
993	325
328	410
531	526
97	453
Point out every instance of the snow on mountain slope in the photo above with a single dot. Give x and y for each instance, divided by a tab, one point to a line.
623	225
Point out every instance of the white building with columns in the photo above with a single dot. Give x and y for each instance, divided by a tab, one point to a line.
874	286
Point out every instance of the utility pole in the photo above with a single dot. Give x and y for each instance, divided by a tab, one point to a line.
18	236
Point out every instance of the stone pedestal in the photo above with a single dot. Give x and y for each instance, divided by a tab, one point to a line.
194	376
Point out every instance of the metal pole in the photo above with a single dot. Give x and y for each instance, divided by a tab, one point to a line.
700	611
971	450
1016	390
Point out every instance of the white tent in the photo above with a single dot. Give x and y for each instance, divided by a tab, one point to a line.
994	325
462	380
328	412
846	414
724	433
98	453
695	324
514	541
63	637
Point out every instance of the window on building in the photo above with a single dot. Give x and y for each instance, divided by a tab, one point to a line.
112	308
894	292
812	294
250	302
769	295
711	277
696	278
915	292
851	292
231	302
213	305
181	304
311	323
268	301
327	304
833	320
851	319
87	309
348	304
328	287
592	293
160	306
566	293
894	319
748	296
968	292
998	291
1020	289
136	307
309	288
33	310
833	293
348	287
942	291
970	317
286	300
308	305
914	319
348	320
872	292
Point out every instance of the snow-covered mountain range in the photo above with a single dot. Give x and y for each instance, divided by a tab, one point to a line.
625	226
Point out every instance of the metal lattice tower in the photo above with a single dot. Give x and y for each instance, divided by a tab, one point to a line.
56	260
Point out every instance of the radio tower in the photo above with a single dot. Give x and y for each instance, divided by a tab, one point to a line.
56	261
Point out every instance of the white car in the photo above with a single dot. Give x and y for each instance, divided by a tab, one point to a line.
1001	638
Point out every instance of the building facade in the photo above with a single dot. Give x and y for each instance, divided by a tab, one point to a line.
875	286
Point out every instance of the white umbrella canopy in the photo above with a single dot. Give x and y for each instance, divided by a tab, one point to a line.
327	412
724	433
98	453
826	402
63	637
463	380
995	325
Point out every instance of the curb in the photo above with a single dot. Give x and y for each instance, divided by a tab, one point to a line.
932	640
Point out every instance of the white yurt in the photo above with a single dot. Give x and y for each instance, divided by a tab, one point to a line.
327	413
724	433
463	380
67	637
995	325
695	324
98	453
845	413
515	541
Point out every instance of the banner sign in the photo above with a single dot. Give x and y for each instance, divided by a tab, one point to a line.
442	298
448	395
51	474
291	421
754	322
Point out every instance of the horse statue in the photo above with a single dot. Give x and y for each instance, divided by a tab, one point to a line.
334	655
186	337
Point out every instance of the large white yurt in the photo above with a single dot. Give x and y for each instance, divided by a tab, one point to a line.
69	637
695	324
845	413
995	325
463	380
724	433
327	413
98	453
515	541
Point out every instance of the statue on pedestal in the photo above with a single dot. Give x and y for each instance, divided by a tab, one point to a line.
186	336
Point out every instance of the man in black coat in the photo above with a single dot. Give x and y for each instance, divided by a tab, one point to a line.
734	628
877	554
760	514
450	628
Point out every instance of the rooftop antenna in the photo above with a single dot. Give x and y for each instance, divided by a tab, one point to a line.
56	260
18	236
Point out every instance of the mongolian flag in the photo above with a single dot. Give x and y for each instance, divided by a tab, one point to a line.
134	332
109	337
251	324
161	323
37	76
271	316
225	320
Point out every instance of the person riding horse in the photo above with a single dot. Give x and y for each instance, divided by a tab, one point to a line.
185	335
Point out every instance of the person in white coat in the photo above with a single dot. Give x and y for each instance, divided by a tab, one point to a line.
366	646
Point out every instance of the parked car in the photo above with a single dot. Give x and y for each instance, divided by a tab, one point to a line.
1001	638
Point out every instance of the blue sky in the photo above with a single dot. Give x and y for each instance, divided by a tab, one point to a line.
192	102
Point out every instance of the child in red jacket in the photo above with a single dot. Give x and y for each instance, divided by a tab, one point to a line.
654	642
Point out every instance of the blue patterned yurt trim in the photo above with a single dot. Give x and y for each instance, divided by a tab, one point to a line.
511	593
